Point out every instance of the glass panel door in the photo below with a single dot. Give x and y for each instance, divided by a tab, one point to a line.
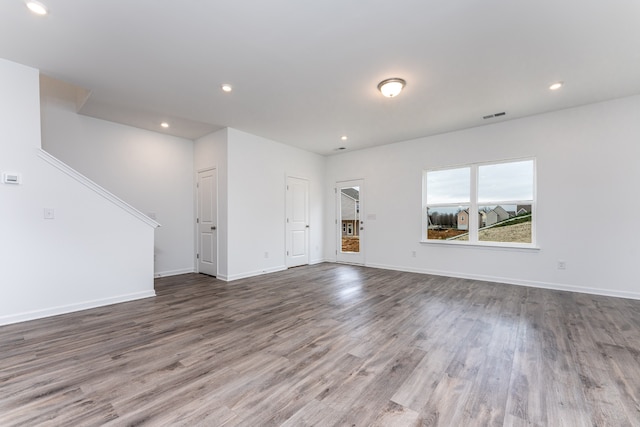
350	224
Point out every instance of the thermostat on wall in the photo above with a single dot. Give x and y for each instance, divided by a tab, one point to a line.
11	178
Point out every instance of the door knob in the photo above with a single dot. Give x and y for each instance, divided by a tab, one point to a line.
213	228
307	226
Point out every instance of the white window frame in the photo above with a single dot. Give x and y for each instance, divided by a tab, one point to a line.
473	206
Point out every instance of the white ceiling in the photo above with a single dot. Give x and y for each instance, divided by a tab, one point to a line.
305	73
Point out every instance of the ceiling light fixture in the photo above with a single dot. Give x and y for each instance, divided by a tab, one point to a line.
37	7
164	125
556	86
226	87
391	87
344	137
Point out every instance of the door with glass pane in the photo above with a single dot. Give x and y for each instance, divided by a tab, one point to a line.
350	226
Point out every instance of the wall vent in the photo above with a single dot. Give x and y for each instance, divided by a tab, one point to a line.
491	116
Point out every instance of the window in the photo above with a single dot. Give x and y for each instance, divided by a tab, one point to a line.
488	203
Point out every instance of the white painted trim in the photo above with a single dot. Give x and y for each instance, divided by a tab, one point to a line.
95	187
482	245
55	311
320	261
511	281
254	273
168	273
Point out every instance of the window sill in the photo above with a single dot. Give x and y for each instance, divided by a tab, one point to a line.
483	245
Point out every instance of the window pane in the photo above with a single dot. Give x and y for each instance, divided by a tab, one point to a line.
350	218
505	181
447	222
448	186
505	223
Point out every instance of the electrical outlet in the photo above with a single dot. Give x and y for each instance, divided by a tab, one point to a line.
562	265
49	213
413	254
266	254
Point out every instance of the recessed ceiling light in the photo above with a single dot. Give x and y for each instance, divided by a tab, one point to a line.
391	87
226	87
344	137
37	7
164	125
556	86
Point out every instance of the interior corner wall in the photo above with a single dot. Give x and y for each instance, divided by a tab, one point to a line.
587	178
257	171
151	171
210	152
92	253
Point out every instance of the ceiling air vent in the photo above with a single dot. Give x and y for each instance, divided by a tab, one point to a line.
491	116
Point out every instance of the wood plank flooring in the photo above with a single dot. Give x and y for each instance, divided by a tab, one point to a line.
329	345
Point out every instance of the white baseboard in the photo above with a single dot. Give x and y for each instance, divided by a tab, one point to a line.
253	273
260	272
320	261
173	272
54	311
512	281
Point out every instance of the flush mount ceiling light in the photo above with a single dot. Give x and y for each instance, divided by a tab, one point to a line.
226	87
164	125
37	7
391	87
556	86
344	137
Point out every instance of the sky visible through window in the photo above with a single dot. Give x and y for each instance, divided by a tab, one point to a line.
496	182
505	181
448	186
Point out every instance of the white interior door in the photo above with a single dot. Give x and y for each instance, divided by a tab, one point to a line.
207	222
349	225
297	227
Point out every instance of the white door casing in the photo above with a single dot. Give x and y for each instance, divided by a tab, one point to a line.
350	229
297	222
207	222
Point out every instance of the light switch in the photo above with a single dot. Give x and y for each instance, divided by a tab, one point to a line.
11	178
49	213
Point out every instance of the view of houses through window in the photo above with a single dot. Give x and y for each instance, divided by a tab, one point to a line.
502	194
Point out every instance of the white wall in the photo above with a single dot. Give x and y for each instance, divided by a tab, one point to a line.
587	167
252	175
257	173
93	253
210	151
151	171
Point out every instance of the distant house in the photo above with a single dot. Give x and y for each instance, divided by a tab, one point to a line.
350	211
523	209
463	219
496	215
483	219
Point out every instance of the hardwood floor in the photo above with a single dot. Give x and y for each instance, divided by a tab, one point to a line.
329	345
